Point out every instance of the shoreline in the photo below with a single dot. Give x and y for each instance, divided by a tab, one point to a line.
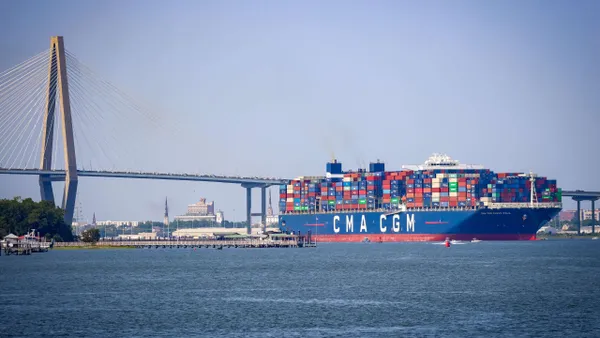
91	247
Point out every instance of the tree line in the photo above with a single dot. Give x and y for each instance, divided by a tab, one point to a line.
20	216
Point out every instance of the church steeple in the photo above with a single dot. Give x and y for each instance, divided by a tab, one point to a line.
166	220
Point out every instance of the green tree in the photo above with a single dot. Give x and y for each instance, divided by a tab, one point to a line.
20	216
91	235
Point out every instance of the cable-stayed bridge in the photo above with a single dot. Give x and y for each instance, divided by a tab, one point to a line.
53	96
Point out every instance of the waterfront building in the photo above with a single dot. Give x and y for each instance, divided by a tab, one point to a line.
202	211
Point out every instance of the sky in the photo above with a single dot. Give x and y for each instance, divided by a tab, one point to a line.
278	88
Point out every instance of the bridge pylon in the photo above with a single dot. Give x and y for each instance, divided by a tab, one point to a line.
58	84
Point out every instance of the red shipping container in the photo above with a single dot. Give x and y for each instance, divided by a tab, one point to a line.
444	189
462	195
410	181
284	195
418	194
410	190
410	205
435	190
426	190
427	181
418	190
386	200
444	199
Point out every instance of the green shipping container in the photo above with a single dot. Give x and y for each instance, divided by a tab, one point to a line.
453	184
331	202
362	201
453	189
296	208
395	200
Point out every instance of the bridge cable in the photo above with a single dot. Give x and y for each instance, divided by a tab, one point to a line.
22	128
53	82
14	119
92	106
25	86
57	131
31	65
37	115
110	87
24	63
80	109
99	92
38	108
160	124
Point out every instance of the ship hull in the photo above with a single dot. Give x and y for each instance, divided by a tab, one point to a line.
420	225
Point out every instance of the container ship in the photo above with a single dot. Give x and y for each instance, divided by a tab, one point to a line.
438	200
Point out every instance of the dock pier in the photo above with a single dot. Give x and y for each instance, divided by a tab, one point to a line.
20	248
195	243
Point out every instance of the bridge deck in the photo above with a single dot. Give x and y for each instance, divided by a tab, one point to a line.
59	175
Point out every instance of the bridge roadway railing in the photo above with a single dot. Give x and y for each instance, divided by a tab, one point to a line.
182	243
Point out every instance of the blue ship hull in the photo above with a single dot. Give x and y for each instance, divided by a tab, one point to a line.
420	225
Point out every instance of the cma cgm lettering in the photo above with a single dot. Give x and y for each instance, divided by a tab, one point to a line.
438	199
384	224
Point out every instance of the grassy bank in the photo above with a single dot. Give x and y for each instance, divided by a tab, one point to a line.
91	247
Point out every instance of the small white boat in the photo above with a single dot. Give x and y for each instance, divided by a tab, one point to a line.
594	238
475	240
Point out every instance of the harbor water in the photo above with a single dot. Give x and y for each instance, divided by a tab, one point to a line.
485	289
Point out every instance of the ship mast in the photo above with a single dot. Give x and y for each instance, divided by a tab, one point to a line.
533	194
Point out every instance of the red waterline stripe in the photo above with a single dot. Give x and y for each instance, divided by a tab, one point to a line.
440	222
421	237
315	225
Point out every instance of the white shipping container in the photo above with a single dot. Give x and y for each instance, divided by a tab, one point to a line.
435	184
453	194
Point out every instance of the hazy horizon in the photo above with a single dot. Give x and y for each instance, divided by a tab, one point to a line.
276	89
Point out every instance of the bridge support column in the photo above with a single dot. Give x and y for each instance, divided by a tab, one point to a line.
263	207
249	210
578	217
593	217
46	188
58	86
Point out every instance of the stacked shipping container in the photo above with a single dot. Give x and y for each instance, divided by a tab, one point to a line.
440	188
